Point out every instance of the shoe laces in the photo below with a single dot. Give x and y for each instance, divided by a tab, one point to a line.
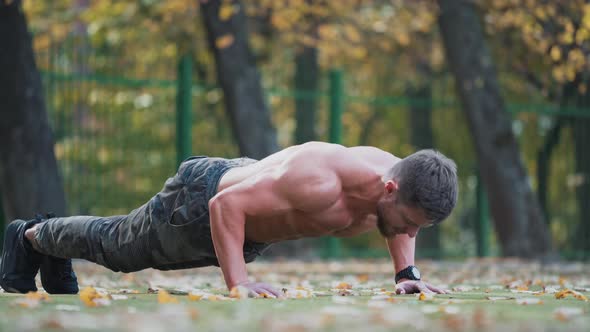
39	217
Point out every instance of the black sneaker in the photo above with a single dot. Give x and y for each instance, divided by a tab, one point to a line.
20	262
57	275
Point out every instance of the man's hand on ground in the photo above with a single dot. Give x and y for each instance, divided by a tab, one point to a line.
416	286
256	289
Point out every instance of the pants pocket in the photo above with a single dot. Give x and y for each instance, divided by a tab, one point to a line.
183	239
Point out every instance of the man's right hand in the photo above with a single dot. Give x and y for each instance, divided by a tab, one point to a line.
258	289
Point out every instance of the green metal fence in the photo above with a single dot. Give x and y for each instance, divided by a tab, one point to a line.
119	134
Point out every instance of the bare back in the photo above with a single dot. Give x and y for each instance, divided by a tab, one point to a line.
309	190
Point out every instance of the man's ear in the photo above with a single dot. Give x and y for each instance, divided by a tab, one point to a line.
391	186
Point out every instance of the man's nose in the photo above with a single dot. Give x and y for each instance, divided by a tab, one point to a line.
412	231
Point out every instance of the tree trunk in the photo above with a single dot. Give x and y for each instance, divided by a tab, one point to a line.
581	128
306	83
515	209
428	242
239	79
29	177
543	166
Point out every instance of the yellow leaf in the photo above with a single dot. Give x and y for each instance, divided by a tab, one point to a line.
224	41
165	297
559	74
425	297
352	33
564	293
280	21
194	297
358	52
91	298
555	53
403	39
570	73
32	300
37	296
327	32
540	13
576	58
343	285
362	277
239	292
226	11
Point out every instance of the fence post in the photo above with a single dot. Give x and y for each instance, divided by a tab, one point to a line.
482	228
332	245
183	109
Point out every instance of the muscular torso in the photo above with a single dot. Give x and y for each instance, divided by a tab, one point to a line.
351	212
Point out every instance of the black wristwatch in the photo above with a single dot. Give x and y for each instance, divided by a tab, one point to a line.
411	272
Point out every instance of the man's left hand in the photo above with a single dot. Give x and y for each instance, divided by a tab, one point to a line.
416	286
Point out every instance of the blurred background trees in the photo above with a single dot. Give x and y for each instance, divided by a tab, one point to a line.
109	71
29	177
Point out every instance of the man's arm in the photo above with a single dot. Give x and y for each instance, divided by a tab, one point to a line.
228	211
268	194
401	249
227	233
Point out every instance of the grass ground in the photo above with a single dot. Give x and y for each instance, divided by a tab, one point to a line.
490	295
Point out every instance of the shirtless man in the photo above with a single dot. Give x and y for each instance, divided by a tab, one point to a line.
225	212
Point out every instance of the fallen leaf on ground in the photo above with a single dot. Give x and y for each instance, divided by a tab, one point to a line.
362	278
343	285
32	300
564	293
239	292
195	296
425	297
165	297
298	293
92	298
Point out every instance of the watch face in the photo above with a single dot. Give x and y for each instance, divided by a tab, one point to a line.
415	272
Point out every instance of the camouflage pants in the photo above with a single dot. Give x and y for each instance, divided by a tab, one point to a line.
171	231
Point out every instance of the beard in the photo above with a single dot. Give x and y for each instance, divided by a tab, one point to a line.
385	229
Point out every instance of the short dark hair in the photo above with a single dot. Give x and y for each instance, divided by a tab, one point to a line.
427	179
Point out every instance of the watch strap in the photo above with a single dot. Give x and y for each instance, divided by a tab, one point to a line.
406	273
